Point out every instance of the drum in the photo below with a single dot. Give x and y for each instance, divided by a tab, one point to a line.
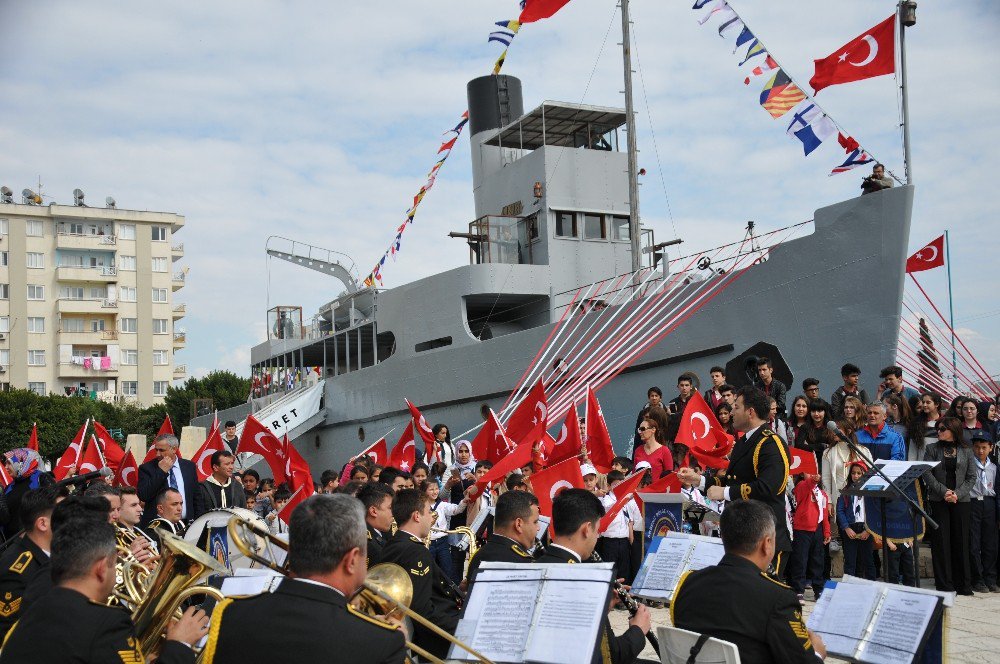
209	532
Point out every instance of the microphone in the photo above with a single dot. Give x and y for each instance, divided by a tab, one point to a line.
832	426
86	477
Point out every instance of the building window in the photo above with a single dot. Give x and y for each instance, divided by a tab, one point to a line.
130	325
75	229
72	324
565	224
126	263
619	229
159	264
71	292
36	292
3	259
36	358
160	357
593	227
4	357
160	388
35	259
97	325
159	326
126	231
98	292
33	227
130	358
4	291
36	324
4	324
159	233
159	295
130	388
127	294
3	226
37	388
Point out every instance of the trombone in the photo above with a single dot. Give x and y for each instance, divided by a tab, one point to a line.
386	592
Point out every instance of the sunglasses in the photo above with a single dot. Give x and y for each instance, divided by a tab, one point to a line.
645	428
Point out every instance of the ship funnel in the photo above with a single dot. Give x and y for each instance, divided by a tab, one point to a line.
494	101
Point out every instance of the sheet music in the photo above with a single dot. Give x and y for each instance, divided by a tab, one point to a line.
570	608
509	605
896	469
899	627
845	616
706	553
662	568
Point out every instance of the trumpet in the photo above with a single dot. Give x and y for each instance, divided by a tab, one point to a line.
386	592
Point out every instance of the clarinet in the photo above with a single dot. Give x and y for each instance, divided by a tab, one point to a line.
629	602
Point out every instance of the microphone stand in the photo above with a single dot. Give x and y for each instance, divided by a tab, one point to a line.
915	509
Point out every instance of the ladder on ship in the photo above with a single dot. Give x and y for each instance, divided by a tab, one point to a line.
329	262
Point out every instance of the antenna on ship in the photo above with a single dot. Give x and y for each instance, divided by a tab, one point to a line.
907	12
633	174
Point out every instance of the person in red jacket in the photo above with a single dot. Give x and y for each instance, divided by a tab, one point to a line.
811	533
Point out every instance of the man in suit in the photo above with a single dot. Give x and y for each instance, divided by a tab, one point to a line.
220	489
308	616
376	498
28	556
433	597
168	470
758	468
737	601
515	527
576	515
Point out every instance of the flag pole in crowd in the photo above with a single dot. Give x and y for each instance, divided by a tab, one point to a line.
951	306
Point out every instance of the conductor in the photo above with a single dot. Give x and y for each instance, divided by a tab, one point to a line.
765	623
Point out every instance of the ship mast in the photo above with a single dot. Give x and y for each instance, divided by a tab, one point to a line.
907	15
633	181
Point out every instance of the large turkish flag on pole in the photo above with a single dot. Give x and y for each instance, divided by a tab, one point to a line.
870	54
930	256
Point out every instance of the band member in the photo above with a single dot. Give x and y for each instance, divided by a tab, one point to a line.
766	621
576	515
111	493
142	544
169	506
758	468
515	527
433	597
377	501
28	556
168	470
73	623
309	612
220	489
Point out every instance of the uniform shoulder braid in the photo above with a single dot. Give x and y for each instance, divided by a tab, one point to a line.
516	548
22	562
774	580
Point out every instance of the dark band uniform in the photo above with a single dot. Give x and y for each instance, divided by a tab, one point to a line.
301	621
611	649
65	627
498	549
433	597
376	542
163	524
760	615
758	470
20	564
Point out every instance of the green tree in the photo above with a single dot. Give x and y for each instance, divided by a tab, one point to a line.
225	388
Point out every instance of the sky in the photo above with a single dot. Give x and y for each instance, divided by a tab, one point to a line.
318	121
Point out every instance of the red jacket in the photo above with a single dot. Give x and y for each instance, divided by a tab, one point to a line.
807	510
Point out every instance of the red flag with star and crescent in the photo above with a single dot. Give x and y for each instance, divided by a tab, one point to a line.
569	443
128	472
622	494
537	10
203	457
699	428
530	419
870	54
599	448
258	439
33	440
110	450
379	452
929	257
299	478
491	443
71	457
404	454
424	430
802	462
547	484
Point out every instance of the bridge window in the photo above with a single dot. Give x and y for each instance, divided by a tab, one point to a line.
593	227
565	224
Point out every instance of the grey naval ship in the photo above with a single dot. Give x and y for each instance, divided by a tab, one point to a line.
552	196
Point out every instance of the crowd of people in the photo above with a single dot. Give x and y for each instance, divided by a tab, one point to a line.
58	568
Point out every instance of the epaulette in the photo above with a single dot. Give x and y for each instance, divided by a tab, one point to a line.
774	580
371	619
416	539
767	432
369	533
516	548
22	562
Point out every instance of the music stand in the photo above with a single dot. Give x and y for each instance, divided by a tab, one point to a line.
893	490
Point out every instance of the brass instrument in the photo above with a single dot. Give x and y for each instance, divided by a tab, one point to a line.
385	594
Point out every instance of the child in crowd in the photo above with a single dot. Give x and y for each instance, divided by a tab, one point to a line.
440	549
420	472
855	540
590	479
275	523
614	545
622	465
359	473
983	522
811	533
437	474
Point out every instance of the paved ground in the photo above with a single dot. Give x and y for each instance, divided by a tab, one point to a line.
973	628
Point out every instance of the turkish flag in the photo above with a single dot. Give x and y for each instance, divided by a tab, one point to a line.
167	426
699	428
536	10
622	493
713	458
33	440
128	472
599	448
203	457
669	483
491	443
258	439
519	457
404	454
5	477
112	453
299	478
71	457
803	462
569	444
530	419
91	459
426	435
546	484
379	452
870	54
930	256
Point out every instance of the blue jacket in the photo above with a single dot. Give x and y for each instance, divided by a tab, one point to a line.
888	445
845	511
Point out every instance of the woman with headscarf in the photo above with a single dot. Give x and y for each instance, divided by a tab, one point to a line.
461	475
25	468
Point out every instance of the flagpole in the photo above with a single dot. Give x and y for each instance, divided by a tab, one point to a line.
951	313
907	13
633	174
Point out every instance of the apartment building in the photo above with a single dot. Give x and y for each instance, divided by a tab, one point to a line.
87	300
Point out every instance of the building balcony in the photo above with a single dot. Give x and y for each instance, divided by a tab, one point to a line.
88	306
91	370
178	311
101	274
178	280
180	339
66	240
177	251
180	371
88	338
